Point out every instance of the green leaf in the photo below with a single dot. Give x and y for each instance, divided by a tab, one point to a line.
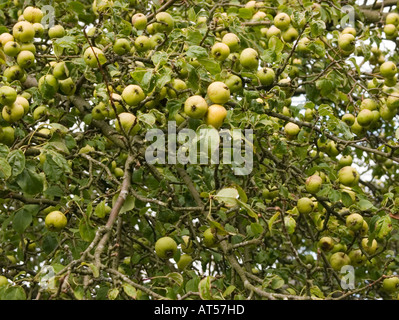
86	231
256	228
229	290
204	288
113	294
228	196
94	269
245	13
23	217
272	220
210	65
127	205
277	282
160	58
30	182
176	277
129	290
14	293
196	52
346	199
365	205
5	169
383	227
99	211
317	28
16	159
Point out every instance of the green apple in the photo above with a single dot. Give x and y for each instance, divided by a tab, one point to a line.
121	46
98	112
32	14
4	38
60	70
339	247
392	18
119	173
178	85
290	35
90	55
156	40
348	176
232	40
184	261
23	31
354	222
142	43
48	85
386	113
209	238
291	129
345	161
12	113
56	31
3	281
391	284
26	59
266	76
326	244
164	22
346	42
357	258
234	83
369	104
349	30
67	86
128	122
303	45
8	95
55	221
215	115
165	247
309	114
23	102
12	48
305	205
388	69
370	247
139	21
365	117
392	102
28	47
282	21
349	119
249	58
8	136
273	31
313	184
339	260
220	51
259	16
39	112
218	92
195	107
133	95
390	31
39	29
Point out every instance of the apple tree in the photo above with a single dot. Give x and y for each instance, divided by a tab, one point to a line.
85	215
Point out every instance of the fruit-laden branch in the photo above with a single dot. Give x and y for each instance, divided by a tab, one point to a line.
161	9
39	201
82	105
332	137
124	191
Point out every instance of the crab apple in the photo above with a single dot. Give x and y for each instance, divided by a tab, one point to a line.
220	51
234	83
56	31
121	46
348	176
195	107
133	95
339	260
26	59
12	48
7	95
139	21
23	31
305	205
313	184
232	40
249	58
354	222
56	221
164	22
12	113
93	56
266	76
128	122
218	92
165	247
282	20
215	115
32	14
388	69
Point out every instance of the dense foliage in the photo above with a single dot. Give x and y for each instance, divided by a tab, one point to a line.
83	215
